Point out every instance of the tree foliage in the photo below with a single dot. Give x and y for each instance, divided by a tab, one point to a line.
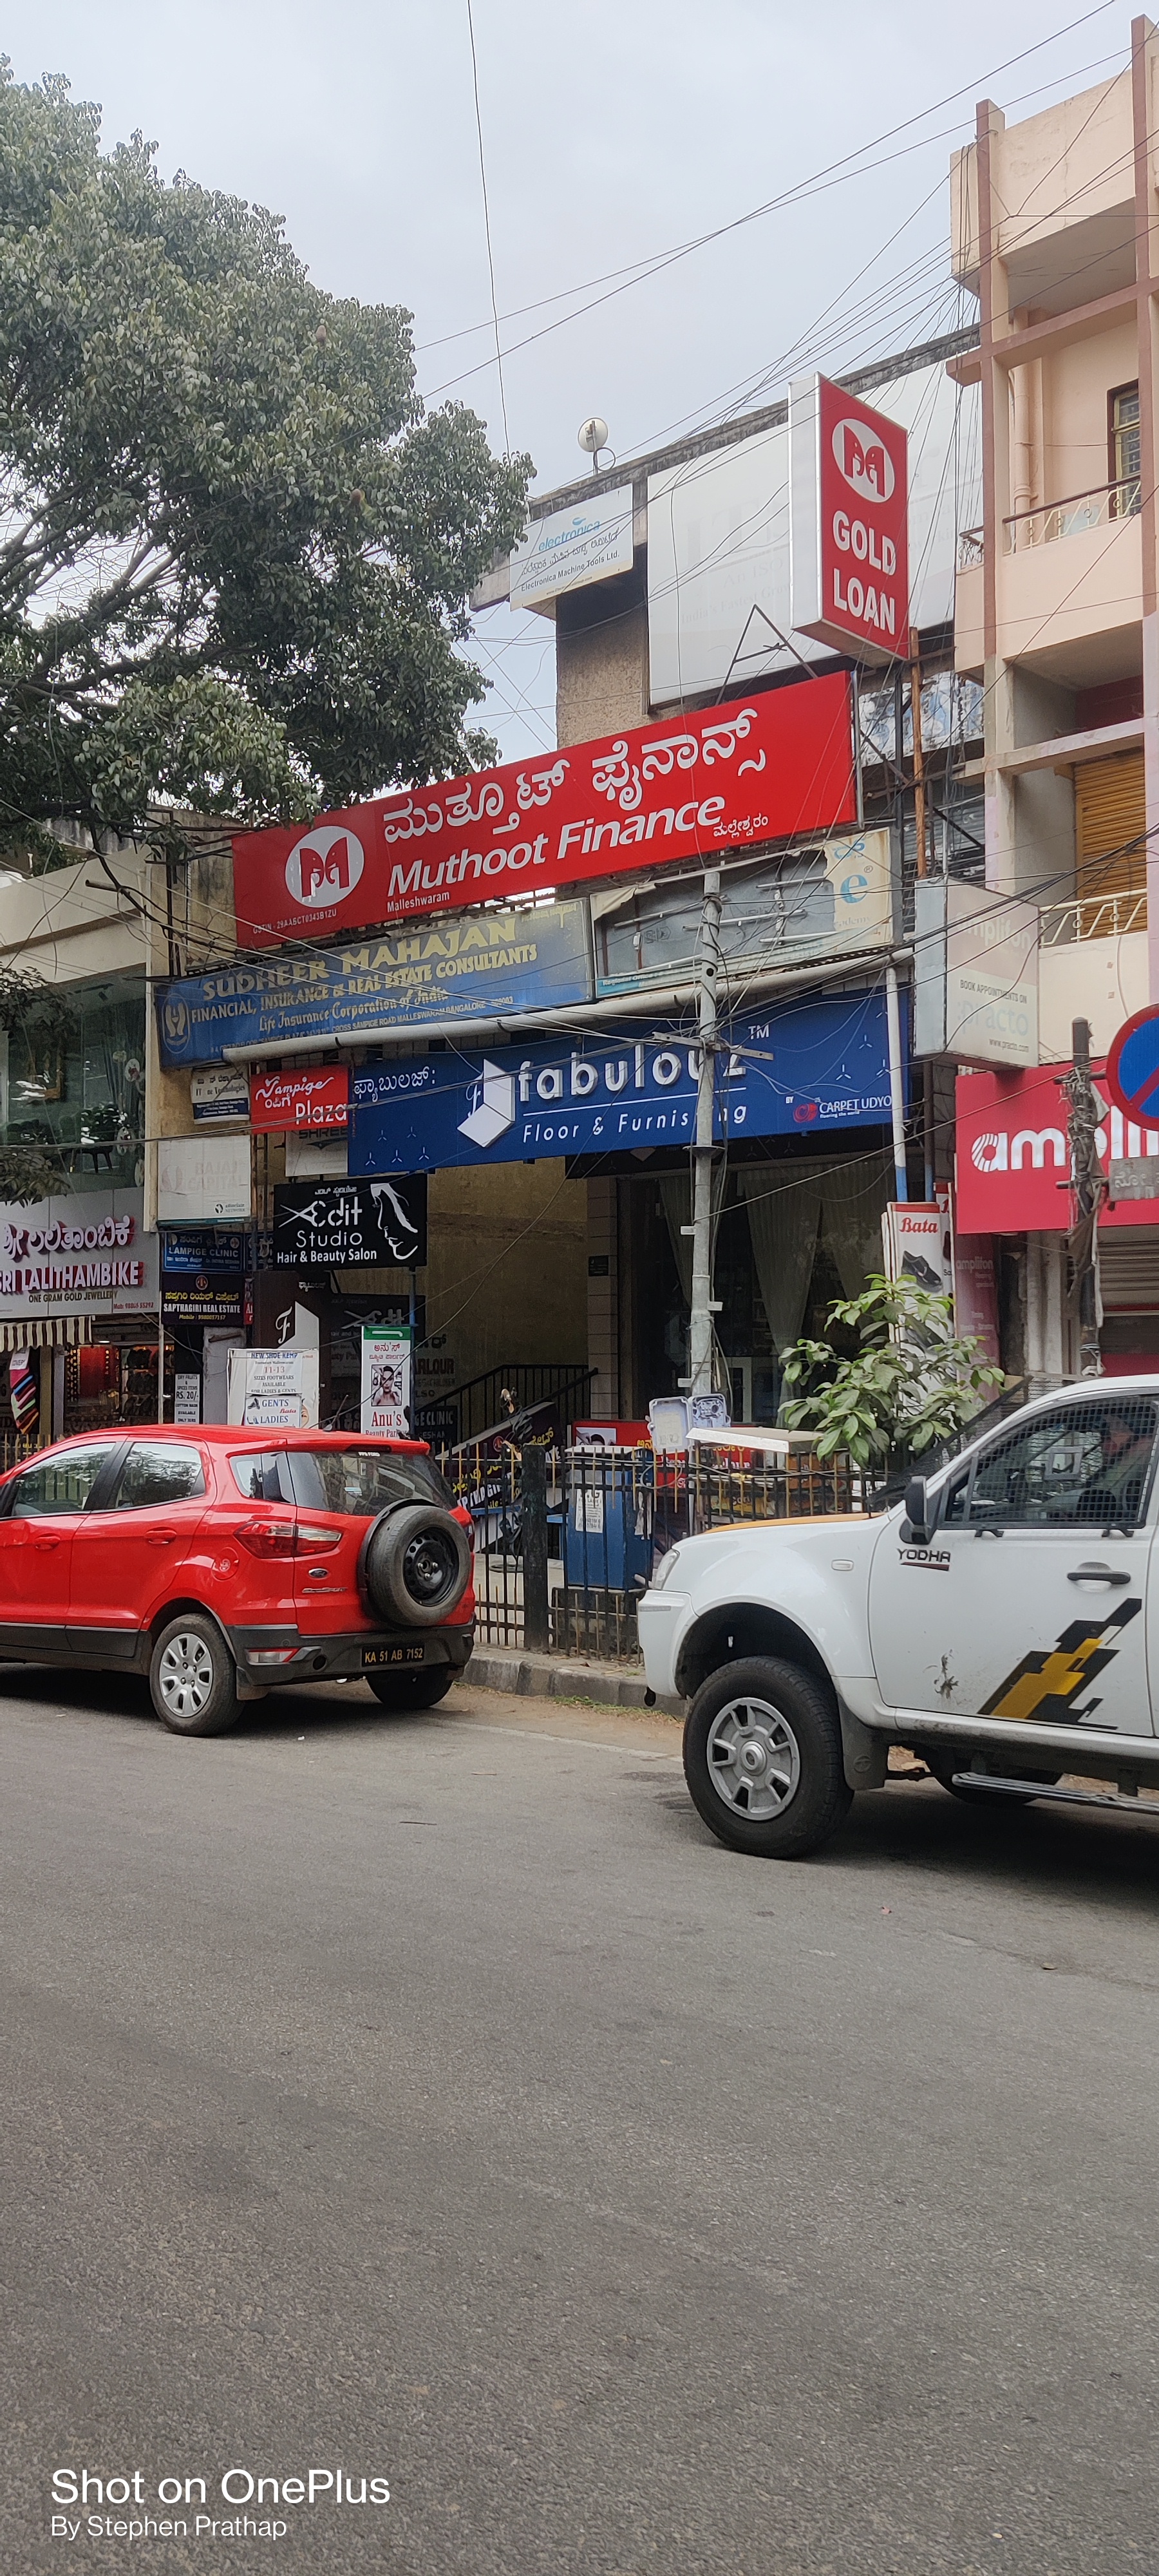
912	1382
235	553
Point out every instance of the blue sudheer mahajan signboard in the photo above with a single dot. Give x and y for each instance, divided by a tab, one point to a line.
794	1068
488	963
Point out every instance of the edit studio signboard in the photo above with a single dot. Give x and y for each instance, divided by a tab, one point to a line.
351	1225
762	768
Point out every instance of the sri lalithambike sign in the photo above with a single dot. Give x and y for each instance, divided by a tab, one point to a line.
83	1254
765	768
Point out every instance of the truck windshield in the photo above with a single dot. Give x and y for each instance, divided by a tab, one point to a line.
362	1481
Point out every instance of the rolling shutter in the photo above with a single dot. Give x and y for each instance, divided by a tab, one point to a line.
1129	1269
1110	813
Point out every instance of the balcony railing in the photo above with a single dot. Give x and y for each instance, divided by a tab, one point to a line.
971	549
1099	508
1094	916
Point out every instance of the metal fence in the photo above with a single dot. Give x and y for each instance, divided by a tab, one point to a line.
567	1539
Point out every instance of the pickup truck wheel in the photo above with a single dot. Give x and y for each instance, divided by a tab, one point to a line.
762	1758
401	1691
193	1678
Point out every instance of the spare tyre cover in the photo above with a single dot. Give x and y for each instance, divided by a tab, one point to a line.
415	1565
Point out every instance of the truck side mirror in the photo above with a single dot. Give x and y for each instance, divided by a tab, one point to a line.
916	1527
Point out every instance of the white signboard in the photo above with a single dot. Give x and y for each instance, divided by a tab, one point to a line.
386	1380
203	1180
975	975
82	1255
718	541
220	1091
274	1390
572	547
917	1238
187	1396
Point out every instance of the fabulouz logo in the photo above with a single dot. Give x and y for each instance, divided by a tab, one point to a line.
245	2504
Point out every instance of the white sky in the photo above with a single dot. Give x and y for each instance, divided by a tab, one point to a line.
612	133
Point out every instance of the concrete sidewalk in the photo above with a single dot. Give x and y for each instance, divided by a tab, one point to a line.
509	1668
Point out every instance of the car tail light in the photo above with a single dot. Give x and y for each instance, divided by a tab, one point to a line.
286	1538
268	1538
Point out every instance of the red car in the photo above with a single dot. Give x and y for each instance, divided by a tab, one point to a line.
221	1560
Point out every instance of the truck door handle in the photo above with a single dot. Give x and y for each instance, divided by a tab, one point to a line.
1097	1574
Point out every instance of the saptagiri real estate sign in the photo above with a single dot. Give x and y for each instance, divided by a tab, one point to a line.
848	521
764	768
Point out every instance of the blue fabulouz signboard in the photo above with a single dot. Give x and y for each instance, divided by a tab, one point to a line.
790	1069
537	958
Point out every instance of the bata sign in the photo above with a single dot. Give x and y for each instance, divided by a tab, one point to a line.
765	768
848	521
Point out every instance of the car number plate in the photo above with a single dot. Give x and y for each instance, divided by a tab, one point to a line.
373	1656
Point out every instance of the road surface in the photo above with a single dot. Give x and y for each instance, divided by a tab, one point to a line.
433	2099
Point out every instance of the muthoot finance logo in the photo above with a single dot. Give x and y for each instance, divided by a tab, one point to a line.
325	866
864	461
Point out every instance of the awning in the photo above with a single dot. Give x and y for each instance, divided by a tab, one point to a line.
46	1333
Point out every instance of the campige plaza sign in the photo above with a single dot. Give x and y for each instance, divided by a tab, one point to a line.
765	768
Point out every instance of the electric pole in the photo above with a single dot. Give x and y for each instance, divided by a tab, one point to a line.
704	1305
1089	1192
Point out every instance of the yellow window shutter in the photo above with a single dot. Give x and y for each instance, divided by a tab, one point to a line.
1110	814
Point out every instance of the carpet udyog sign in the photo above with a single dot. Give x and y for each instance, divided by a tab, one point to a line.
759	769
536	959
849	522
806	1065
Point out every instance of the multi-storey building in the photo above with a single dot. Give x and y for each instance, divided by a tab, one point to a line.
1055	228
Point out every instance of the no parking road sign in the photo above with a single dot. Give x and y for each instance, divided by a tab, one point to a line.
1132	1075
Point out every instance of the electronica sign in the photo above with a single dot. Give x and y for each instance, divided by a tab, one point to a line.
1132	1075
769	767
848	522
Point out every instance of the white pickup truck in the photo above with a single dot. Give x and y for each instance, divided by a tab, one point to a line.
1004	1624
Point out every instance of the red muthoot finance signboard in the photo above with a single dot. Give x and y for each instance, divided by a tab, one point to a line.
849	522
769	767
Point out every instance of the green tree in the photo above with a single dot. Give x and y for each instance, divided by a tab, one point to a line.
912	1382
235	553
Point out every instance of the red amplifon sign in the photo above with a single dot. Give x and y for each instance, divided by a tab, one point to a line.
849	522
303	1102
769	767
1014	1168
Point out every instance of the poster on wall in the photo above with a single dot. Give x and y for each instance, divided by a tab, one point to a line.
274	1390
386	1380
203	1179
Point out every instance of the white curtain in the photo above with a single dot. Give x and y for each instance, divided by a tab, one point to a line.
784	1204
676	1200
853	1195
